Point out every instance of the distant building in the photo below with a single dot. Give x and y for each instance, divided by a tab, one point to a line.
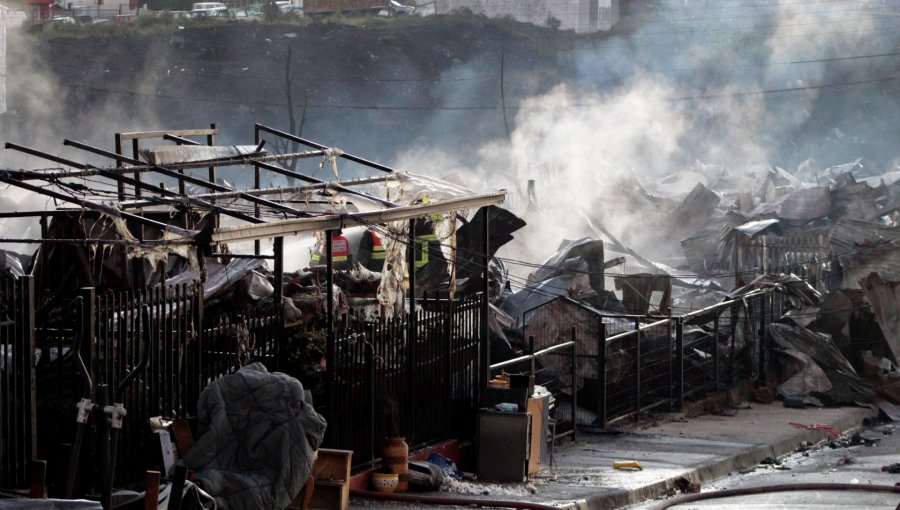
97	9
582	16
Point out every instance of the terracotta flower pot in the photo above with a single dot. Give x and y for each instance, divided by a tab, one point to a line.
385	482
395	457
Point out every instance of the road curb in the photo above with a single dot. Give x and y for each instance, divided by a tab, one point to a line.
743	459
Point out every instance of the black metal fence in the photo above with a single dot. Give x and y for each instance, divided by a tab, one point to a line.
429	381
17	355
626	365
378	375
40	383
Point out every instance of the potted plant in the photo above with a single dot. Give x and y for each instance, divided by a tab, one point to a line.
395	450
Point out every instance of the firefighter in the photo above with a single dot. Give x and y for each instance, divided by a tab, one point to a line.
340	252
370	253
427	243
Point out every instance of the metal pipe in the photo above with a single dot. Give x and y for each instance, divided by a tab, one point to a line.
120	179
267	191
309	143
687	316
485	304
330	347
88	242
179	140
193	180
105	209
679	364
527	357
313	180
412	324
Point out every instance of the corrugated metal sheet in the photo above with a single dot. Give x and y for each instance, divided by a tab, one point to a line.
187	153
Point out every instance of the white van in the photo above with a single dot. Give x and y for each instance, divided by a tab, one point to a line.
209	9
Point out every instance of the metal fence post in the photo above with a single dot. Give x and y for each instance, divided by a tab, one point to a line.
330	362
30	379
88	326
484	310
761	334
601	372
370	383
679	363
637	371
716	363
412	336
280	350
574	383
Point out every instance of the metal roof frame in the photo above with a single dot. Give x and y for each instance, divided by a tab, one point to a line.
296	220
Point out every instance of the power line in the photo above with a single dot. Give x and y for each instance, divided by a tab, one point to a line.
421	108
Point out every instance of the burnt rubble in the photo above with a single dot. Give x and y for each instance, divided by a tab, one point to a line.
826	238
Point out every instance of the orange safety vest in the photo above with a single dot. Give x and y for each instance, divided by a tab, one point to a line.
378	252
340	250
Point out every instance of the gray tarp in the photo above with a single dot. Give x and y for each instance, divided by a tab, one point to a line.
257	438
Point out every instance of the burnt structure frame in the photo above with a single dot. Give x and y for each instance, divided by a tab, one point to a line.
128	173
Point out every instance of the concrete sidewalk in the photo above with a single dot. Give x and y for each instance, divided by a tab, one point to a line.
700	449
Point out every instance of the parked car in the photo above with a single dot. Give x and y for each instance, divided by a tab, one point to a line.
395	8
214	9
62	20
125	18
243	14
401	10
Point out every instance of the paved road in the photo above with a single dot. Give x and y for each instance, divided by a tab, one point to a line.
857	464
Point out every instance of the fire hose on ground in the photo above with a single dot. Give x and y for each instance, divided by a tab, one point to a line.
766	489
442	500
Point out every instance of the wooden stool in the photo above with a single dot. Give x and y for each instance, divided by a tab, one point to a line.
328	487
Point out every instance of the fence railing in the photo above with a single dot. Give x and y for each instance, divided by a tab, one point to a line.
17	359
377	370
621	366
808	257
186	350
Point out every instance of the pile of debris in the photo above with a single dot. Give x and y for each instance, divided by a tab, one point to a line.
829	234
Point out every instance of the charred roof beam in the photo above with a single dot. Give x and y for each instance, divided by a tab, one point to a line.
187	178
323	148
131	204
123	179
94	206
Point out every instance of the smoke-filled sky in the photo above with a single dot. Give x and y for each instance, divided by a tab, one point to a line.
693	87
686	85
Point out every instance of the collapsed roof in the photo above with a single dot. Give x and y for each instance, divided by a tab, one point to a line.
118	213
